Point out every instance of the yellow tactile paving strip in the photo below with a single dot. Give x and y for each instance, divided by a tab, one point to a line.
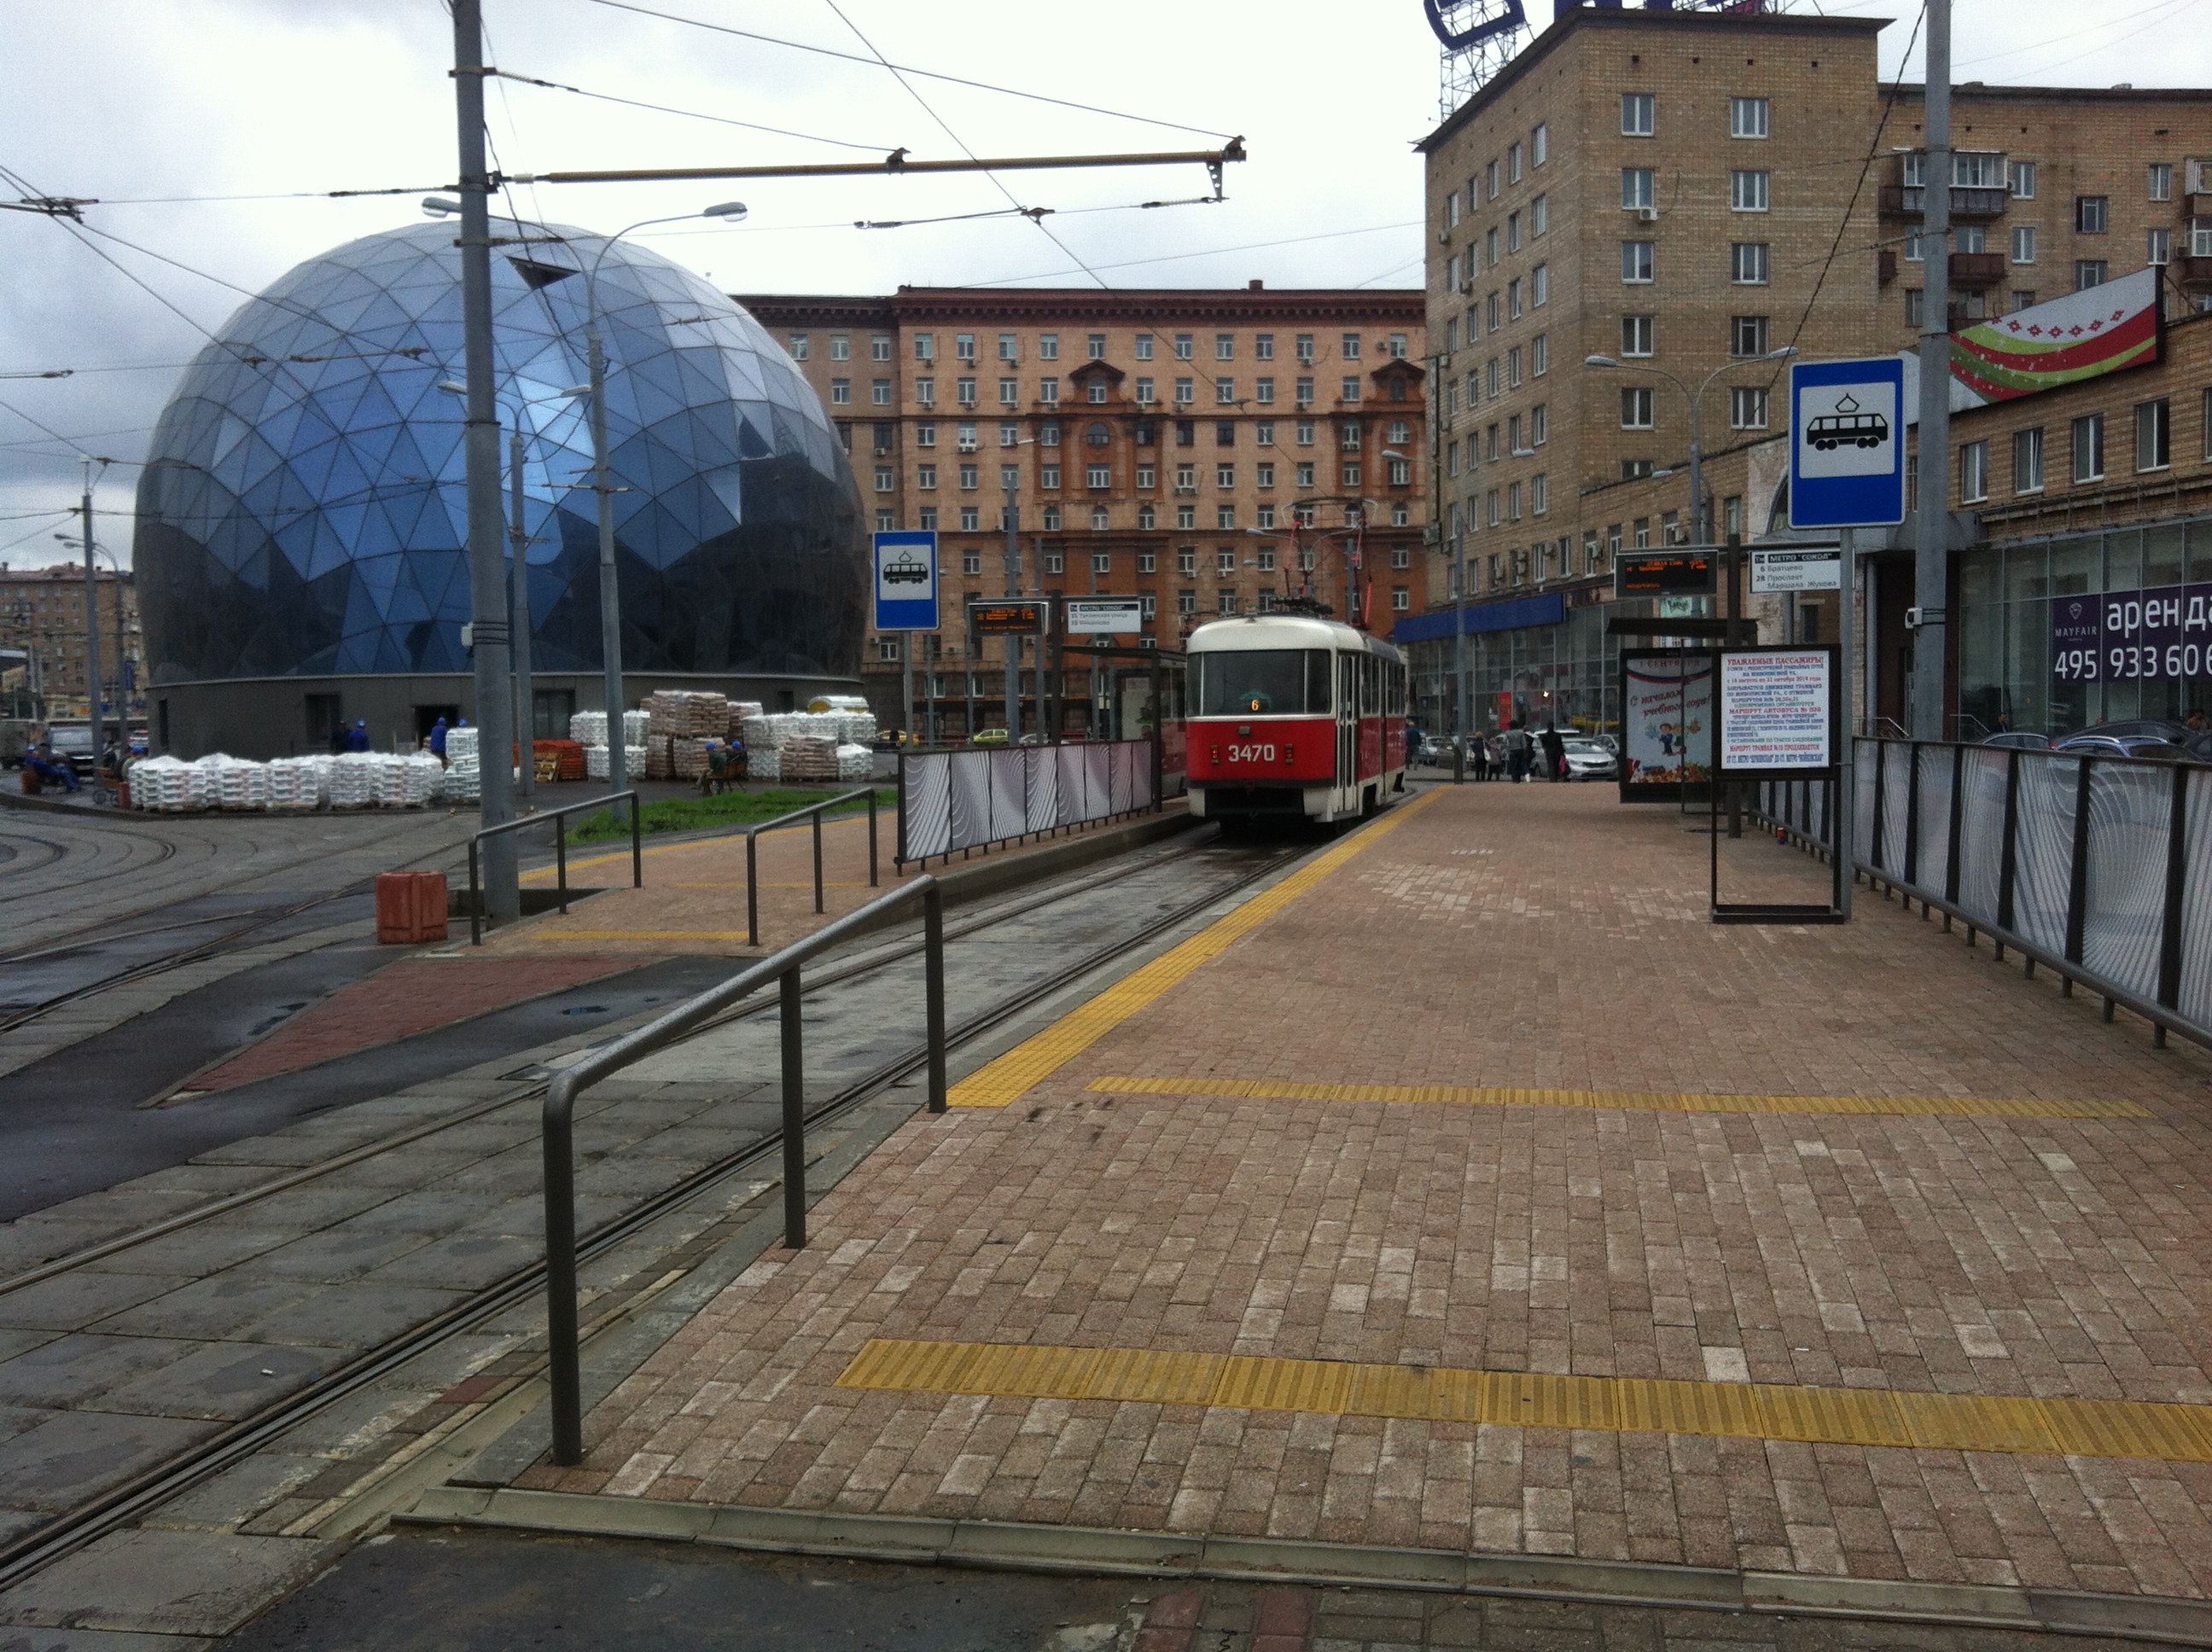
1005	1079
1628	1100
1756	1411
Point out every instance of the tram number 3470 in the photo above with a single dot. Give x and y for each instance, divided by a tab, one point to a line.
1251	754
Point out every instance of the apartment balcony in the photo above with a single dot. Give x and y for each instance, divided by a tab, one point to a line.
1967	204
2197	204
1978	270
2193	272
1886	265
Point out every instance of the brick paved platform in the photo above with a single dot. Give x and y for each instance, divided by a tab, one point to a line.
401	999
1284	1234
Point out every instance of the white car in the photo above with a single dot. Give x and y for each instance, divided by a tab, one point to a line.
1588	760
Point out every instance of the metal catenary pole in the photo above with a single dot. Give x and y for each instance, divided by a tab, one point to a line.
91	622
480	449
1013	559
1931	559
906	657
610	589
1846	812
518	595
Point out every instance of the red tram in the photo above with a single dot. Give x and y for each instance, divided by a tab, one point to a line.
1288	715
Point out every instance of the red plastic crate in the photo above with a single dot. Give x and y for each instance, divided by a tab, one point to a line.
410	907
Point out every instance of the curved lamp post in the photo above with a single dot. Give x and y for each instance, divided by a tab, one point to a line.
1698	536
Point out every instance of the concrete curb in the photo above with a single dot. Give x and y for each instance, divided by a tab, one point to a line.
1015	1546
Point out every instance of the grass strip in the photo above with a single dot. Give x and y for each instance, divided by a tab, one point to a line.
727	809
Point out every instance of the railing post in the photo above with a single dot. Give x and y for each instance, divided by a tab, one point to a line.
752	889
2077	882
1880	783
815	820
794	1114
2177	885
561	1352
933	975
874	882
1912	817
475	903
560	860
2008	868
1951	856
636	843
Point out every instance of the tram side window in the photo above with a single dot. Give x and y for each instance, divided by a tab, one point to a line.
1265	683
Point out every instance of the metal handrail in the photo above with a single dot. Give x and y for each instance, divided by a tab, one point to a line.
814	809
559	1118
560	852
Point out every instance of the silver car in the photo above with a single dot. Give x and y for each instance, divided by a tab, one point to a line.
1588	760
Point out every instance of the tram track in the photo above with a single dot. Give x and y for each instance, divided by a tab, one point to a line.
119	1505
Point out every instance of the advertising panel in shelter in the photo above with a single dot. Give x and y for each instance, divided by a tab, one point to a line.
1666	723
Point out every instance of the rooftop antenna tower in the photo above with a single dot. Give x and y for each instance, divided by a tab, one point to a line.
1479	37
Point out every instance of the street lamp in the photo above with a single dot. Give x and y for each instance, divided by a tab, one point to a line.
610	592
1698	534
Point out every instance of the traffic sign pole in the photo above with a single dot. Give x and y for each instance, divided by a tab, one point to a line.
1847	761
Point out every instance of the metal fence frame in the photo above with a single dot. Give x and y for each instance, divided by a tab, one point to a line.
974	799
2036	849
815	811
558	1120
560	852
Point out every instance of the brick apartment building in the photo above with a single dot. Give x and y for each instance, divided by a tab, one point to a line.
42	613
1207	452
2053	189
1683	193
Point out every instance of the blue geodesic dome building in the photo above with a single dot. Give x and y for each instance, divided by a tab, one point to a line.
310	517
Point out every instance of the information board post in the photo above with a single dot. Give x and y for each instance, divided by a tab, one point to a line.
906	597
1776	718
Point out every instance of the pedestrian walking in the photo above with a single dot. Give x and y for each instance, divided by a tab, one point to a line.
1520	752
1555	753
357	736
1479	756
437	740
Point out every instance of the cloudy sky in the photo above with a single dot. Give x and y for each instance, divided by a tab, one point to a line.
208	130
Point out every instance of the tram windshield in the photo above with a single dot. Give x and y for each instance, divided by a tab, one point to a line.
1263	683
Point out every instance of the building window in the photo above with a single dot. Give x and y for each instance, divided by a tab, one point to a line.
1009	392
925	475
1143	347
1263	391
1746	117
1186	601
971	562
2089	448
1747	407
1747	335
1513	368
1513	300
2090	214
2023	243
884	482
963	391
840	347
2088	273
2023	180
1048	392
1974	472
1224	392
968	474
1048	347
840	391
1636	261
1225	476
1747	192
1186	391
1098	519
2160	180
1350	387
1182	347
1185	516
1748	262
2028	461
1636	408
1637	333
1638	114
1537	495
1052	519
2158	245
1094	347
963	346
1186	433
1097	476
1539	286
1145	397
2154	436
1638	188
1914	309
1148	562
1513	231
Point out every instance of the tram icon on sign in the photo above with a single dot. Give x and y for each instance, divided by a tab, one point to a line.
1848	426
906	569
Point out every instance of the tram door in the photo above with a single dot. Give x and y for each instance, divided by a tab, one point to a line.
1348	723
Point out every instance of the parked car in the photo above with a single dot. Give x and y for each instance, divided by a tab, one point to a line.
72	742
1610	742
987	737
2025	741
2156	728
2145	747
1588	760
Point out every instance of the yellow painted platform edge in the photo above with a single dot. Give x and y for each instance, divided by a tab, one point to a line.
1290	1090
2013	1425
1008	1077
